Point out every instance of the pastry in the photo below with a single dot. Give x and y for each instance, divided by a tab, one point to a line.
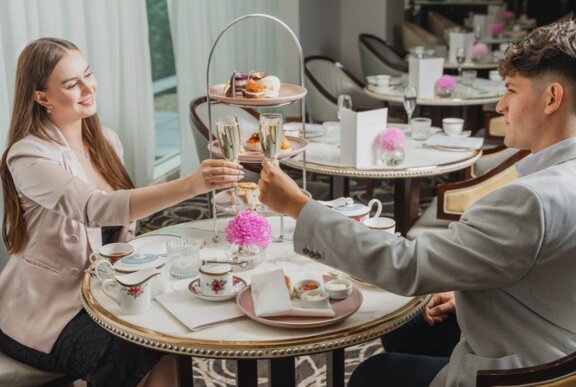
271	86
253	143
256	75
253	90
285	144
237	84
248	193
289	285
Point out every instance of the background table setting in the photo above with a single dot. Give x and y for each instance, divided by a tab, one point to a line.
179	321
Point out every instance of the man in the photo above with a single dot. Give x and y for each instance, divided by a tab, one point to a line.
510	259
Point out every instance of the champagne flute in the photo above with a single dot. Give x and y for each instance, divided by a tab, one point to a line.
477	33
409	104
344	102
228	134
271	132
460	58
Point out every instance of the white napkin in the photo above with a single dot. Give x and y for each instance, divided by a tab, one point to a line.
442	140
271	298
196	313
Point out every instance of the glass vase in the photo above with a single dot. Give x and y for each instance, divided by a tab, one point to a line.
443	92
252	255
391	157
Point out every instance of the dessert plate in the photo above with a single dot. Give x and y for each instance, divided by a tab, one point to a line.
237	285
288	93
343	309
152	244
297	146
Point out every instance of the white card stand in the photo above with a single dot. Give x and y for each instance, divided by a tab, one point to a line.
423	74
460	39
358	132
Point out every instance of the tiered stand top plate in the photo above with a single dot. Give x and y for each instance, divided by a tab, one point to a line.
288	93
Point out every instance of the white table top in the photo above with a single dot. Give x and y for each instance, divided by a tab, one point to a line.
380	311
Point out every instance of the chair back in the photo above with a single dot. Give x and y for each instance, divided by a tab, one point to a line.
557	373
413	35
378	57
494	125
325	80
439	24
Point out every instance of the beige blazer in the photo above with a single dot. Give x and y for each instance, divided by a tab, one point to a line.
510	260
40	287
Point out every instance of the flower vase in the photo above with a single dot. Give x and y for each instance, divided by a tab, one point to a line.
391	157
252	255
443	92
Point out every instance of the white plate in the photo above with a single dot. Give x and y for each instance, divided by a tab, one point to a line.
463	134
237	285
152	244
297	146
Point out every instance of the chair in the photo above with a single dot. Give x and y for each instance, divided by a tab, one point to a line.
325	80
378	57
413	35
494	126
557	373
16	374
493	170
439	24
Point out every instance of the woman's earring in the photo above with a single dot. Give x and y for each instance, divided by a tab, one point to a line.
48	110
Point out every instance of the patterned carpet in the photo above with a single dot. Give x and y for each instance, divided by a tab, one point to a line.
310	370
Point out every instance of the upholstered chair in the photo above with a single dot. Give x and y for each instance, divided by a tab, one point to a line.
378	57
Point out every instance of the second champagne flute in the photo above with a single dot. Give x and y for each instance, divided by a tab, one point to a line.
228	134
409	104
460	58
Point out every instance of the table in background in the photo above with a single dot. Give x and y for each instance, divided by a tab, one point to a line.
324	158
248	341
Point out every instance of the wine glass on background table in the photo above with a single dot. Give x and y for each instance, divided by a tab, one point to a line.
344	102
460	58
409	104
228	134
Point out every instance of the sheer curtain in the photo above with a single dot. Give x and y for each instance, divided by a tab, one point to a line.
113	35
253	44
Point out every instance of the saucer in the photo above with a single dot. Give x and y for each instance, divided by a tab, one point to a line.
237	285
463	134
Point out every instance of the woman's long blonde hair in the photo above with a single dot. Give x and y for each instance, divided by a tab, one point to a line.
35	65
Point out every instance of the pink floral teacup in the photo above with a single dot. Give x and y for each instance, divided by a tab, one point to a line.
216	279
132	292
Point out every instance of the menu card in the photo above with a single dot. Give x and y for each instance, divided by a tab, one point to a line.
423	74
358	132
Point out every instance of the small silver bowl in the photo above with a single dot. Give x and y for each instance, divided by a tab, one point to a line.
338	289
314	298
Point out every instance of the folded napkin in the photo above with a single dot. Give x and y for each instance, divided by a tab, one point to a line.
196	313
271	298
444	141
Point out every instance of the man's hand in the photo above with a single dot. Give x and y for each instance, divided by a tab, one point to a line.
279	192
437	310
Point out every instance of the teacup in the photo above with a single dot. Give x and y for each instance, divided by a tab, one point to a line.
383	224
383	80
453	126
112	252
132	292
216	279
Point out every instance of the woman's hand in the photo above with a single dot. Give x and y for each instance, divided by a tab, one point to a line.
215	174
440	305
279	192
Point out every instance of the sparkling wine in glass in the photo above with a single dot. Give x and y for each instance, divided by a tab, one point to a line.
344	102
409	104
271	131
460	58
228	134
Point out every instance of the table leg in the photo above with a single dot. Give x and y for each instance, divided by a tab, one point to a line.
247	372
185	378
335	368
406	203
282	372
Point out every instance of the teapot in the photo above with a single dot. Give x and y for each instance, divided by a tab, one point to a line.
132	292
358	211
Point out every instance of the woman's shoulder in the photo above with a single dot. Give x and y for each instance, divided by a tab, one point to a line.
32	145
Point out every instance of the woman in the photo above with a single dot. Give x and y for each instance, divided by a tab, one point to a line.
65	193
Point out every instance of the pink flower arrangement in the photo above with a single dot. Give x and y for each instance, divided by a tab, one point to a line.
479	49
391	139
447	82
497	28
249	228
507	15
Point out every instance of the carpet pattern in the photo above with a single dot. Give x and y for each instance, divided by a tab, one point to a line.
310	370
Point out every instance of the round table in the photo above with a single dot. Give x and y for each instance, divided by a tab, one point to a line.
246	340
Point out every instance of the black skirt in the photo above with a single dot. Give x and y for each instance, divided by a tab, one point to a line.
87	351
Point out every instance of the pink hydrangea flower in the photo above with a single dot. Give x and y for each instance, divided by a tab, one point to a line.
391	139
480	49
497	28
249	228
507	15
447	82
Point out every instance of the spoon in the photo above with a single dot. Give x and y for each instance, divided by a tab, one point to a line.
337	202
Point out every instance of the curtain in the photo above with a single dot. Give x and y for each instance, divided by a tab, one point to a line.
113	36
252	44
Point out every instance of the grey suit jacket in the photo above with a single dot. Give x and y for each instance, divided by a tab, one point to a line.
511	260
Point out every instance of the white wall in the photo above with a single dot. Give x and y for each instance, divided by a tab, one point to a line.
331	27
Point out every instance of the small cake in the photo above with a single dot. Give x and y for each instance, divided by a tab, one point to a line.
253	143
248	193
237	84
271	86
257	75
285	144
253	90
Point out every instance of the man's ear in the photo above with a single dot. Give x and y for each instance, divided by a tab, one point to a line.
40	98
554	95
